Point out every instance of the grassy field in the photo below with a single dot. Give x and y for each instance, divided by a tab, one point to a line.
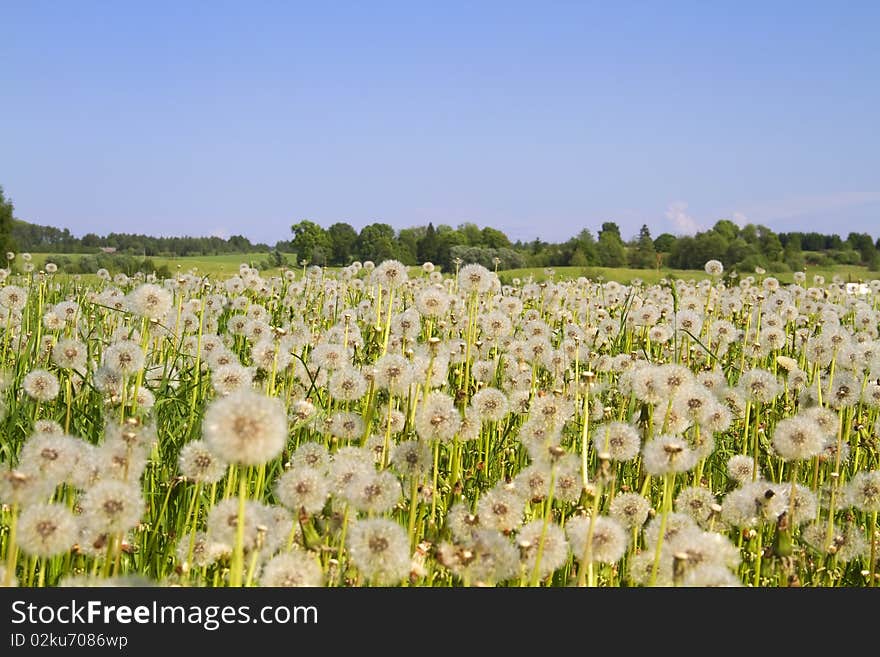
849	273
228	264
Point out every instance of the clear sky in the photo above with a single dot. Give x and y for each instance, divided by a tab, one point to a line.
537	118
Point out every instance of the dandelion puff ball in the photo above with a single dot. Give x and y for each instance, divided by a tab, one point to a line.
245	427
296	568
150	301
41	385
45	530
798	438
198	463
551	539
607	538
303	488
112	506
379	548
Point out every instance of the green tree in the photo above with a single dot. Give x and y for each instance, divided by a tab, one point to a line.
427	248
447	237
494	238
408	244
664	242
471	234
610	247
6	223
792	254
343	239
643	255
769	243
377	242
310	242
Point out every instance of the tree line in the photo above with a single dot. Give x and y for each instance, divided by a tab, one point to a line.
738	247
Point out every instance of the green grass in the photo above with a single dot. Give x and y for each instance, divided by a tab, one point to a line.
227	264
625	275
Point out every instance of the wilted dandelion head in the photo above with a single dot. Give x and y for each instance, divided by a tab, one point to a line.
379	548
245	427
46	530
112	506
198	463
294	568
41	385
303	488
607	538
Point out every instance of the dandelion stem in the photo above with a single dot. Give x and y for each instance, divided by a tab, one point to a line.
11	547
236	573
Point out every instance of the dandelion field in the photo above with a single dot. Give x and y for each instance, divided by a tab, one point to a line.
376	427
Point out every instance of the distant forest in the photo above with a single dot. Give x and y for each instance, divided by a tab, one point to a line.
738	247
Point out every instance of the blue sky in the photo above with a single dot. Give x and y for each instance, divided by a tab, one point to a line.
537	118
